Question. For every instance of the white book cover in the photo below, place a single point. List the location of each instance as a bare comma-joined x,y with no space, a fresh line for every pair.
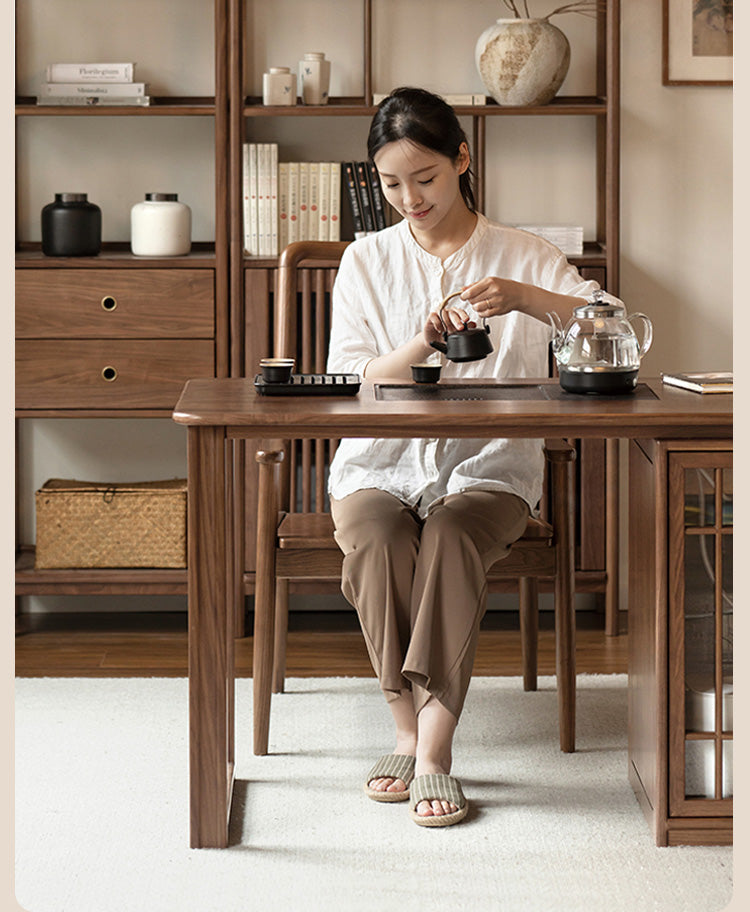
104,101
274,214
334,215
324,200
118,89
90,72
314,199
251,197
294,202
264,199
304,201
283,205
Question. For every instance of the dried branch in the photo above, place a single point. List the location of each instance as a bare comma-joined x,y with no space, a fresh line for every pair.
582,7
512,7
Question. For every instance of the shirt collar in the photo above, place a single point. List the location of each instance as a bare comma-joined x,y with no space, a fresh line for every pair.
457,256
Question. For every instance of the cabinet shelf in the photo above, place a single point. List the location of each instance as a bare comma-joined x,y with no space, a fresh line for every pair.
163,105
117,581
358,107
117,255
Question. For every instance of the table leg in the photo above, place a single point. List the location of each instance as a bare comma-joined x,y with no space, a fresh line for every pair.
565,624
612,593
210,641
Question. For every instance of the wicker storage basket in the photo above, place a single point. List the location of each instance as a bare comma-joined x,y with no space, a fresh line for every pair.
88,524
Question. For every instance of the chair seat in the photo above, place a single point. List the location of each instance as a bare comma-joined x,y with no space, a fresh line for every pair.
307,549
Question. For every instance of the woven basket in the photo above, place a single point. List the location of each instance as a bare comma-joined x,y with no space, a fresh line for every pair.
88,524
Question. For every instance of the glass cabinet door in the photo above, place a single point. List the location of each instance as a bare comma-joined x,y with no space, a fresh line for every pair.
700,633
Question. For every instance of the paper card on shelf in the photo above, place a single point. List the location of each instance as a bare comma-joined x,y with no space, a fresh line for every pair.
334,220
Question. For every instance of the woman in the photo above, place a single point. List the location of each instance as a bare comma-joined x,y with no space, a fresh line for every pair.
420,521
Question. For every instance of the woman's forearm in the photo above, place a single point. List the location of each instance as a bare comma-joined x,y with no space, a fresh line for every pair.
396,363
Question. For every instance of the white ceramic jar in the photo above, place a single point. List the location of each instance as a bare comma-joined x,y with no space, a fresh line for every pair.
160,226
315,74
279,87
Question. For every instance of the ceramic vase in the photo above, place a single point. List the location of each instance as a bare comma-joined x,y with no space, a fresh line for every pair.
315,74
522,61
279,87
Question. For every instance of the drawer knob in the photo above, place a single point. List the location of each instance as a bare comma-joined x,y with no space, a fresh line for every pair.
109,303
109,373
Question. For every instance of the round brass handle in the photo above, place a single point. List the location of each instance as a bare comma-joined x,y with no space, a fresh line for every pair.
109,373
109,303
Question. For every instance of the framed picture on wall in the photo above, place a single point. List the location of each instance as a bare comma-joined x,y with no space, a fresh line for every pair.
697,42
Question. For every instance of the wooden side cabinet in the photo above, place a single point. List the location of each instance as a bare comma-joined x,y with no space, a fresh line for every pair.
680,622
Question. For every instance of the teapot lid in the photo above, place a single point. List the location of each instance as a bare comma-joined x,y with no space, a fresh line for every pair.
598,308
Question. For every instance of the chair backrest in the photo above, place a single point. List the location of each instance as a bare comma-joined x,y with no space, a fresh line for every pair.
302,322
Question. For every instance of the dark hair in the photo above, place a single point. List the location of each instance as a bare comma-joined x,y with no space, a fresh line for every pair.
425,119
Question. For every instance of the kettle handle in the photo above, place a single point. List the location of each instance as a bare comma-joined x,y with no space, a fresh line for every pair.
648,332
453,294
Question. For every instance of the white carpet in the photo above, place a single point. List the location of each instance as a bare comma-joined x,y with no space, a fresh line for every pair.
102,814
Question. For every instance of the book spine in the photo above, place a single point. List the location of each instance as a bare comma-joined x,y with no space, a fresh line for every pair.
264,199
103,100
334,214
283,205
293,202
304,201
90,72
314,199
117,89
350,184
378,205
324,200
274,202
364,198
252,227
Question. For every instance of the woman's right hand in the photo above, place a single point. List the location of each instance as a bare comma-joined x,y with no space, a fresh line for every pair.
456,319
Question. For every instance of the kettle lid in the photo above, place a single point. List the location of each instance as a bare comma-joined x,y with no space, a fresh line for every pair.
599,308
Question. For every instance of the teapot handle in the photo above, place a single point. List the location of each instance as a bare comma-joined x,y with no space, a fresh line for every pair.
453,294
648,332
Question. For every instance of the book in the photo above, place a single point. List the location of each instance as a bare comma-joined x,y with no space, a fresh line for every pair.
350,185
701,381
567,238
365,203
304,203
108,89
283,205
314,216
101,100
376,193
254,244
334,209
324,200
294,202
90,72
273,166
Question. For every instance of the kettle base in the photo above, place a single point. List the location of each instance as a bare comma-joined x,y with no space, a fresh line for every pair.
602,383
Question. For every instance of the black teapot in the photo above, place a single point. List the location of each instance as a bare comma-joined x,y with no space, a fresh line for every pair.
463,344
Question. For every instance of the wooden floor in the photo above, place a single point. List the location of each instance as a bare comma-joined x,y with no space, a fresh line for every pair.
319,644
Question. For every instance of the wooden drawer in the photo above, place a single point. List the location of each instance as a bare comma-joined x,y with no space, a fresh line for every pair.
114,303
108,374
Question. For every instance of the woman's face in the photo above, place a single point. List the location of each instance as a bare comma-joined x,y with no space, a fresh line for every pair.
420,184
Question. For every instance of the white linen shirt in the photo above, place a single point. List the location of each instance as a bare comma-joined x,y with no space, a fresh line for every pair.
386,287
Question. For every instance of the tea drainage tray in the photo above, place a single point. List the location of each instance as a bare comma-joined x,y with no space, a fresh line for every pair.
442,392
556,393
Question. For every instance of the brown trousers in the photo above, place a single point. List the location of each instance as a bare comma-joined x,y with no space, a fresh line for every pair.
419,585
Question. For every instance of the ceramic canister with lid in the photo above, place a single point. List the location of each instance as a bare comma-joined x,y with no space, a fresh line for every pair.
160,226
71,226
279,86
315,74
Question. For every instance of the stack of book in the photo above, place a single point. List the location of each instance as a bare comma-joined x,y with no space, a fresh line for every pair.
92,84
702,381
365,197
285,202
568,238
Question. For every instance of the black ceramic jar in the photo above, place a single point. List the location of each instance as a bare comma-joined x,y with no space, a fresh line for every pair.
71,226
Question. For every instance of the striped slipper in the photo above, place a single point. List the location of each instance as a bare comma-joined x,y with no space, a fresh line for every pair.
440,787
391,766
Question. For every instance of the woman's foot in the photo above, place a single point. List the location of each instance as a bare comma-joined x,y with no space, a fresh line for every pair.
436,727
402,709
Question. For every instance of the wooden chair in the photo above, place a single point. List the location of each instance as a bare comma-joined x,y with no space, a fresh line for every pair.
301,545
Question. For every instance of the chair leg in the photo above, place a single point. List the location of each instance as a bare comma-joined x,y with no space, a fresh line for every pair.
265,573
281,625
528,596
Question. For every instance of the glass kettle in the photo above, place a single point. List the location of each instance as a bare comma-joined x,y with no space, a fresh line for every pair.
598,351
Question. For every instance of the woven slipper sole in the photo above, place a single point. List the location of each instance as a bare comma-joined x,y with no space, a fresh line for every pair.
391,766
441,787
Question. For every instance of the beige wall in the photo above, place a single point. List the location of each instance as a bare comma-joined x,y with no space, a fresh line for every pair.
676,168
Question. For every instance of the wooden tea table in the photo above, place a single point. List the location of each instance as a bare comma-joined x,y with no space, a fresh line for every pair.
218,412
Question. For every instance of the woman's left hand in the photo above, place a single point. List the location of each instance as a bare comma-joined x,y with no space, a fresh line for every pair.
493,296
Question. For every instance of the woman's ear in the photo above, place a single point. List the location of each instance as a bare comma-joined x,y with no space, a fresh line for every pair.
463,160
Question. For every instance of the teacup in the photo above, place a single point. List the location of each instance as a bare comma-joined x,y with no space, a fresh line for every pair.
426,372
277,370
